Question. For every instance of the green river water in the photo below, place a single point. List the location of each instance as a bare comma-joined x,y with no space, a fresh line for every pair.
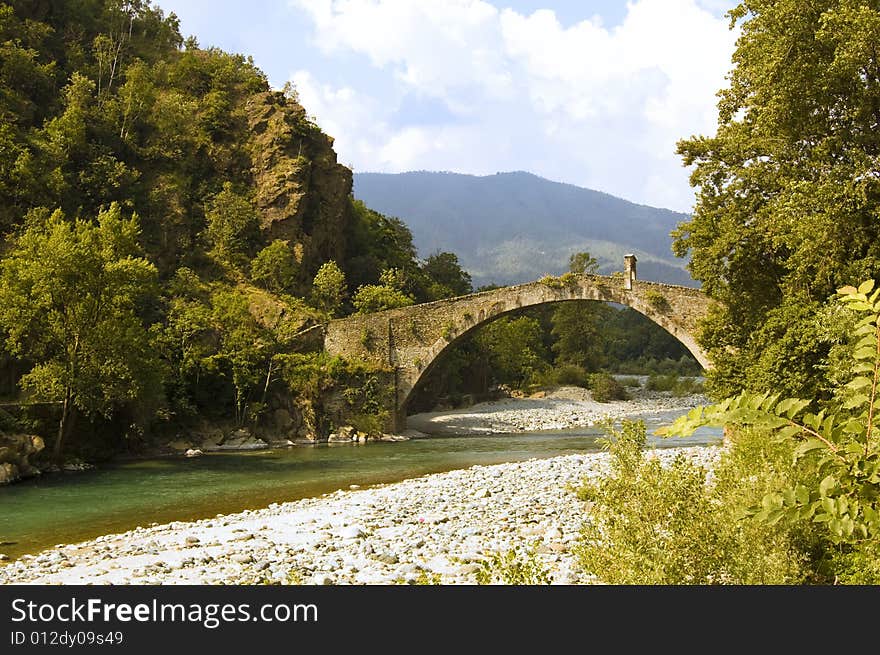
66,508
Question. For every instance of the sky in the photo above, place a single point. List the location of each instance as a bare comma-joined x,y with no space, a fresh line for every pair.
588,92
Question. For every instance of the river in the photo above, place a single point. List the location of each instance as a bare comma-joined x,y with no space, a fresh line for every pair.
67,508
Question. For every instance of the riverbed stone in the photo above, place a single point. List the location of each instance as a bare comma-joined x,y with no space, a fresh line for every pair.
352,532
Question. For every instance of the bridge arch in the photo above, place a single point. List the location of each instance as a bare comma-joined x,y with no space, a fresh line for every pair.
409,340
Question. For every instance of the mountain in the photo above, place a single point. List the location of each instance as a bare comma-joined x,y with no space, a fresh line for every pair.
514,227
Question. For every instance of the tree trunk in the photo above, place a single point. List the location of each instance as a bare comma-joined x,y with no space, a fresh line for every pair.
62,427
268,382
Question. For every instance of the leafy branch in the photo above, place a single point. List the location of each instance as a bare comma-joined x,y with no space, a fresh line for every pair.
839,440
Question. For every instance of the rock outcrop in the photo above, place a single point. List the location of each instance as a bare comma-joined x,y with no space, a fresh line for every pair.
16,453
300,191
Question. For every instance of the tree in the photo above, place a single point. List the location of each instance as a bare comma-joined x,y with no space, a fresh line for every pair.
329,288
69,299
515,347
787,190
275,266
583,262
576,325
578,337
233,226
447,276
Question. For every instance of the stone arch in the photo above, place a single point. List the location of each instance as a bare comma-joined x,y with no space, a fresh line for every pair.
409,340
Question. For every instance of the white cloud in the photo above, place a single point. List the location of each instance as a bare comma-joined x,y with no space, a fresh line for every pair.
585,104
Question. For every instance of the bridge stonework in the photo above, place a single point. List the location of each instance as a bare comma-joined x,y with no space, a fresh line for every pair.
410,339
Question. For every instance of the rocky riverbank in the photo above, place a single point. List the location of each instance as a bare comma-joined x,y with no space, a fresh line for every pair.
564,407
437,527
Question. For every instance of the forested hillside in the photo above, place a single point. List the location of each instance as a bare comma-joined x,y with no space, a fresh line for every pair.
172,228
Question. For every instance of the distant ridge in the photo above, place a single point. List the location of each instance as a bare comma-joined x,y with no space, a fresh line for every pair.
514,227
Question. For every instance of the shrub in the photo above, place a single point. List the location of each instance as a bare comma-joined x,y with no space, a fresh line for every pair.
657,300
605,388
564,281
655,524
661,382
687,387
630,382
275,267
371,298
572,374
511,568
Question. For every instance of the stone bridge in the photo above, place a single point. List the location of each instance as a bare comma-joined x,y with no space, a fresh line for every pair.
409,340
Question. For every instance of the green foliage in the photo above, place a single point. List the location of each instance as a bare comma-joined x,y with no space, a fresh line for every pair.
572,374
366,388
515,349
393,278
583,262
70,301
428,578
786,195
657,300
606,388
564,281
448,332
679,386
328,288
661,382
512,568
839,442
379,243
367,339
652,524
233,226
376,298
578,330
447,277
101,103
275,267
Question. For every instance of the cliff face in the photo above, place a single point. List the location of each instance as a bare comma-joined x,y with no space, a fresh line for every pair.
300,190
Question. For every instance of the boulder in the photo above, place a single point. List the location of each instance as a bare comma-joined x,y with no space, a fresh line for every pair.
8,473
392,437
345,434
279,443
352,532
74,465
16,451
241,439
193,452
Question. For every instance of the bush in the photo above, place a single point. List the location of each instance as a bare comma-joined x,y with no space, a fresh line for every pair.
687,387
630,382
572,374
511,568
661,382
605,388
655,524
657,300
679,387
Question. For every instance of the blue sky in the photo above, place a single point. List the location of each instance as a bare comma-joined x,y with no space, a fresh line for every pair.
594,93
